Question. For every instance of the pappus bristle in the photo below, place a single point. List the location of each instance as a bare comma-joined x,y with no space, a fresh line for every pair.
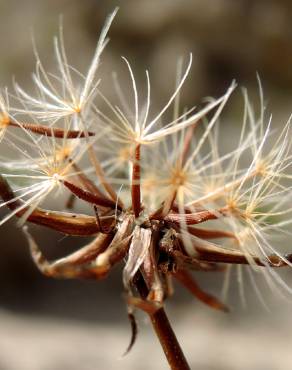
60,96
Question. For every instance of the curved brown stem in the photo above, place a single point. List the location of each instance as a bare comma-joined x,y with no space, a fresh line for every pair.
100,173
91,197
189,283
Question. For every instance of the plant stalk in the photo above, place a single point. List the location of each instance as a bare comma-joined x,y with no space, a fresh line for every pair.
167,338
136,190
168,341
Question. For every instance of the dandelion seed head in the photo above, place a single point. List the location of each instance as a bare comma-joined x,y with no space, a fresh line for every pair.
60,96
153,178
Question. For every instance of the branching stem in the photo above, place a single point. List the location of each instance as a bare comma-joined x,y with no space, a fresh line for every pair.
101,176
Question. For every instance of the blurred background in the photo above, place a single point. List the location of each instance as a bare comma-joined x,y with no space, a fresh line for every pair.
55,325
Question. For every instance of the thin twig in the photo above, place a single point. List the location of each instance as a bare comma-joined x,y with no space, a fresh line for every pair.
50,131
90,197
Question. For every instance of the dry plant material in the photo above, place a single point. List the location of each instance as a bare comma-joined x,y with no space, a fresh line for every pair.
162,198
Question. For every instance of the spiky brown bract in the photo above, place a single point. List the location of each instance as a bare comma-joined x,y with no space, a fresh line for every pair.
163,199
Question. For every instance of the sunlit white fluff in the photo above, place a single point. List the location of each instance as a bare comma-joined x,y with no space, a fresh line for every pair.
59,96
46,163
135,126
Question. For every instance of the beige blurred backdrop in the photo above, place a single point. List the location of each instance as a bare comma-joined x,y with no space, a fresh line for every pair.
58,325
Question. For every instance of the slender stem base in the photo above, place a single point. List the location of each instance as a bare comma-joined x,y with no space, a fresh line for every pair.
168,341
164,332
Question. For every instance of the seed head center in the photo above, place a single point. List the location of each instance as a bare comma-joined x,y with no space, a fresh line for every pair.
4,120
179,178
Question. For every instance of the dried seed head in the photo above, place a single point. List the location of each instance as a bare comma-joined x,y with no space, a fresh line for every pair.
170,176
